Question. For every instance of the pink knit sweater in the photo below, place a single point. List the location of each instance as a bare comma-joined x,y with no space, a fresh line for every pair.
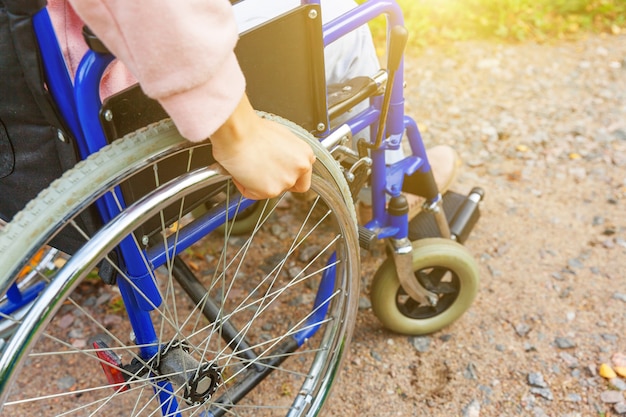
181,52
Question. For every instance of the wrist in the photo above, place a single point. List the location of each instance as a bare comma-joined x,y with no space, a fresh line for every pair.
239,126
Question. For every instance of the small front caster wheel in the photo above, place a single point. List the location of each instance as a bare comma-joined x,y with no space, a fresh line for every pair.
443,267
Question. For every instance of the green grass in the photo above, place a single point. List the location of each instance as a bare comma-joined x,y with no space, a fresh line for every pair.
437,21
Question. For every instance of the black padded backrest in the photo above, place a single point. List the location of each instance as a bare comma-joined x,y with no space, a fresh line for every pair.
283,61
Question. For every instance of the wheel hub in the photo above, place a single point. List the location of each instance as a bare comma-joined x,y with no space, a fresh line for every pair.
199,379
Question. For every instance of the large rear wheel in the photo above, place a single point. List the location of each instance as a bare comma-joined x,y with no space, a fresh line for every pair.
197,322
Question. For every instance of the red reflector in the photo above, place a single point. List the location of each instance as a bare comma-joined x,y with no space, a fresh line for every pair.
111,365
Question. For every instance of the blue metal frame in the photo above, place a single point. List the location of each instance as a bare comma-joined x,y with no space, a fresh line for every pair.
79,103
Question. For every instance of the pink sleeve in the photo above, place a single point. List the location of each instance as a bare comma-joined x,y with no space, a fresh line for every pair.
180,51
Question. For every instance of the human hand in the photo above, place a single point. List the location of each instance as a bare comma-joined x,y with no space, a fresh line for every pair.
263,157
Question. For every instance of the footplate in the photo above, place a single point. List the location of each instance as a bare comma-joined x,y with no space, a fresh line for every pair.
462,213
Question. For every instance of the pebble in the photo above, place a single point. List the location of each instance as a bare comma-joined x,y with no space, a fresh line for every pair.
618,384
65,383
569,360
66,321
574,398
472,409
522,329
619,296
535,379
619,360
445,337
294,271
575,263
364,303
611,397
420,343
620,407
564,343
470,371
543,392
111,320
308,253
277,230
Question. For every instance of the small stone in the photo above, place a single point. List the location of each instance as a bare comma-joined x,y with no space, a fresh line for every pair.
65,383
619,360
569,360
472,409
420,343
294,271
573,398
620,407
543,392
619,296
376,355
75,334
66,321
575,263
308,253
611,397
470,372
364,303
535,379
111,320
592,370
103,299
606,371
564,343
618,384
79,343
609,337
486,389
522,329
557,276
277,230
445,337
529,347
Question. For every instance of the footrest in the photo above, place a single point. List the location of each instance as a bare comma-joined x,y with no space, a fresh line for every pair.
462,213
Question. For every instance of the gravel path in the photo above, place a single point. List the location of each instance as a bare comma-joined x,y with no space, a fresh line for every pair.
542,128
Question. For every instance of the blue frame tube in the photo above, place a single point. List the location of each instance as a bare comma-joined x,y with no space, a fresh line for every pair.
57,76
321,303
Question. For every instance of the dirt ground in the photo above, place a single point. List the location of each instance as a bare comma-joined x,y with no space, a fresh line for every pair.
542,128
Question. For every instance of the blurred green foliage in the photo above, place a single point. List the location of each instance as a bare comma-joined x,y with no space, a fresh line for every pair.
435,21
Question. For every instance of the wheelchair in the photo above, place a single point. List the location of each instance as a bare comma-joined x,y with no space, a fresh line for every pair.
230,306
